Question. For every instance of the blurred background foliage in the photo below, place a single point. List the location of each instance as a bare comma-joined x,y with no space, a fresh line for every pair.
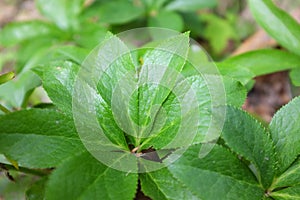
52,29
33,33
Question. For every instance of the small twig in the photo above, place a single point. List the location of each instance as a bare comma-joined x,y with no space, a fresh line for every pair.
5,110
134,150
37,172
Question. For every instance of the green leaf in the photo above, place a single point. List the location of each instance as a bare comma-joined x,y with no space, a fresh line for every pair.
38,138
191,5
290,177
290,193
218,32
280,25
14,92
165,58
58,80
255,63
154,4
17,32
89,36
219,175
63,13
236,93
295,76
37,190
166,19
116,12
245,136
84,177
73,53
6,77
36,49
285,130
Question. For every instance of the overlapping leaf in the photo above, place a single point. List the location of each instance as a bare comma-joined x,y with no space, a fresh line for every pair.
84,177
248,65
38,138
219,175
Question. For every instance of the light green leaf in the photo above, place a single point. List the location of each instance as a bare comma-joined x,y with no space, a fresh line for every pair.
255,63
245,136
295,76
35,49
154,4
285,131
280,25
6,77
166,19
290,193
168,59
38,138
116,12
73,53
17,32
218,31
191,5
219,175
14,92
89,36
84,177
63,13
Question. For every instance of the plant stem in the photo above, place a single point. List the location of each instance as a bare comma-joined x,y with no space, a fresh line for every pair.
5,110
37,172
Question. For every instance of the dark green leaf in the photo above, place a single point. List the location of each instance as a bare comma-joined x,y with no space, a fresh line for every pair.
245,136
38,138
280,25
219,175
285,131
17,32
166,19
84,177
191,5
63,13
